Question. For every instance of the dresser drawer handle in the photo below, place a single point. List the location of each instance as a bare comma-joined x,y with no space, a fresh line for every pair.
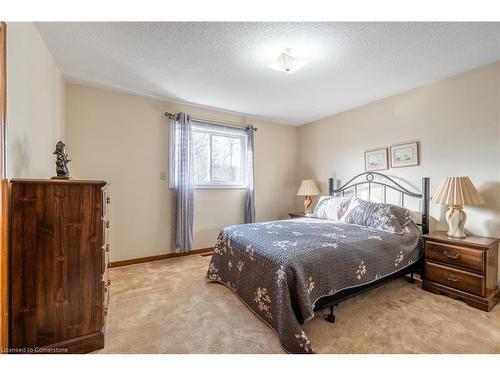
108,200
107,224
451,277
106,291
451,255
107,248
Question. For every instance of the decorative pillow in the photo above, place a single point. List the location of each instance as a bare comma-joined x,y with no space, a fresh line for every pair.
331,208
382,216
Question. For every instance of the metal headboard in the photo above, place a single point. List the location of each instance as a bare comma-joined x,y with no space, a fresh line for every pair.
356,181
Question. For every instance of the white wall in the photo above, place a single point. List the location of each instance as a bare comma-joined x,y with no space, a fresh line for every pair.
457,122
123,139
35,103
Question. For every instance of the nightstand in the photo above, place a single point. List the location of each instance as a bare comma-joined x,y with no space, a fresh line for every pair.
462,268
295,215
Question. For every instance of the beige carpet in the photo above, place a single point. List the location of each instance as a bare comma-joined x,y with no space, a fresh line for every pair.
168,307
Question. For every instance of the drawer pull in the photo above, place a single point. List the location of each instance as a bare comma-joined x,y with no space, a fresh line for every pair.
451,277
106,298
107,224
108,200
107,248
451,255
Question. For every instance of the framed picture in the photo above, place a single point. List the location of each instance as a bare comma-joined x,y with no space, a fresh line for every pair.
405,155
376,160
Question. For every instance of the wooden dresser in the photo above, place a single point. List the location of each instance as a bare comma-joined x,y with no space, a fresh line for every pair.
462,268
59,265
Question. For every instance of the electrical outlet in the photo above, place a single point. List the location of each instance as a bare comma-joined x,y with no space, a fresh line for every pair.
163,176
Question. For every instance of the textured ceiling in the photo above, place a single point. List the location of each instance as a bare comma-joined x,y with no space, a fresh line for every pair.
225,65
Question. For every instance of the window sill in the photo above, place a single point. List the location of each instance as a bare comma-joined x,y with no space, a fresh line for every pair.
220,187
216,187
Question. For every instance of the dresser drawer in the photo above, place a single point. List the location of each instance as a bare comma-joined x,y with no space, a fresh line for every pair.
105,276
456,256
105,257
105,297
458,279
106,250
106,224
106,201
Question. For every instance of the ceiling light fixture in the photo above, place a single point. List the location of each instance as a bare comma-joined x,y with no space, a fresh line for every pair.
288,63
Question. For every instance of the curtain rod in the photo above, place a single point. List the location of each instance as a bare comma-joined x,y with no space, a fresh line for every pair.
230,125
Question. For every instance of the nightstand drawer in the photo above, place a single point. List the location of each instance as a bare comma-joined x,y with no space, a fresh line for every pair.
455,278
456,256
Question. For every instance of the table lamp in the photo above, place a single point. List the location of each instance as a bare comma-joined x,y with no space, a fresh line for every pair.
456,192
308,188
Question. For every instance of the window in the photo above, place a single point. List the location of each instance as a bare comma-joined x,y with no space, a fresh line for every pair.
219,155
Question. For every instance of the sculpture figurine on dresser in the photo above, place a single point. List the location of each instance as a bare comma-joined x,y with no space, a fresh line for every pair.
61,161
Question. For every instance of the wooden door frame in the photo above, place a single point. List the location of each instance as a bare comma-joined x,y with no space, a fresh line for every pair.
3,98
4,186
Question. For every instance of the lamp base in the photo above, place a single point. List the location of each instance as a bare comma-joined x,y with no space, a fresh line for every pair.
307,204
455,217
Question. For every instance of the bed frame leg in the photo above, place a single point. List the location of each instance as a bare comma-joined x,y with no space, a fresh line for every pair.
411,280
331,317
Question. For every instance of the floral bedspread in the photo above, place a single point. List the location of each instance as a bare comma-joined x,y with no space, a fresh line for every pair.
281,268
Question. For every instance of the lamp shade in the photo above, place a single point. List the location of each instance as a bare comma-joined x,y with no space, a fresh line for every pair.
308,187
458,191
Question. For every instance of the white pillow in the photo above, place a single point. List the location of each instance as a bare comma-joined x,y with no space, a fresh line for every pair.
331,208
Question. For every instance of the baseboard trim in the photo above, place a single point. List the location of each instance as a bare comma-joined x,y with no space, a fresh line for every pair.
128,262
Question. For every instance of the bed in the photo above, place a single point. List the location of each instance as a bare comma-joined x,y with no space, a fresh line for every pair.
286,270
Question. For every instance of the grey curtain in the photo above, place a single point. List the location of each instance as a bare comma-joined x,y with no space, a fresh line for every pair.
182,165
250,177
